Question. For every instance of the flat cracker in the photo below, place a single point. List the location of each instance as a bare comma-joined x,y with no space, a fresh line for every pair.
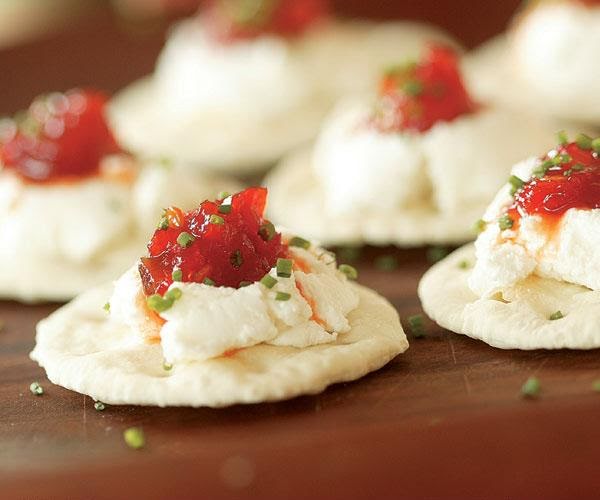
82,350
518,321
296,197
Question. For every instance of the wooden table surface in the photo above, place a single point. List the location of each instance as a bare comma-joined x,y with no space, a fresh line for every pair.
444,419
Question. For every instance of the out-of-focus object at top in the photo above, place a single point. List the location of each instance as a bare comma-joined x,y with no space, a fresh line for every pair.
143,9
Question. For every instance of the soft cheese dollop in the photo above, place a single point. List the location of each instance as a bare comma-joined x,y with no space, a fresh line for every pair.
220,278
555,47
390,161
544,222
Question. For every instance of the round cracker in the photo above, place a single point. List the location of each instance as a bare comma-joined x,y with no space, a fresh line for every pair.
524,322
82,350
296,197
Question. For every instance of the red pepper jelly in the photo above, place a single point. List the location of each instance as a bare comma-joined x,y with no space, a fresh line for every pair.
222,243
230,20
416,95
60,137
568,177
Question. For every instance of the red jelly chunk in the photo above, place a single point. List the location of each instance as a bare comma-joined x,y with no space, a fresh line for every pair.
222,243
415,96
233,20
60,136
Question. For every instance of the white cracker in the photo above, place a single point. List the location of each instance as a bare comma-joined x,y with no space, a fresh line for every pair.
296,197
520,320
82,350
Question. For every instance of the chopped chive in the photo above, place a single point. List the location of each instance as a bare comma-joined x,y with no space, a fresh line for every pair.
479,226
159,304
99,406
177,274
267,231
134,438
556,315
107,307
464,264
222,195
515,184
584,141
578,167
563,138
216,219
167,366
268,281
596,145
224,209
282,296
296,241
565,158
416,325
413,87
435,254
236,259
208,282
386,262
350,271
173,294
531,388
568,173
284,268
244,283
349,254
36,389
163,223
505,222
542,169
596,385
185,239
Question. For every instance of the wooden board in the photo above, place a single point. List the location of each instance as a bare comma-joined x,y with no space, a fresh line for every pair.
447,417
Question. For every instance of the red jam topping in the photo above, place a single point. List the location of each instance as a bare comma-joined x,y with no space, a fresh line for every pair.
231,20
415,96
222,243
568,177
60,136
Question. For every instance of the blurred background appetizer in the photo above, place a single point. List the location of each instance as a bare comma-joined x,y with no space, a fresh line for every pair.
74,206
416,164
223,309
243,82
532,278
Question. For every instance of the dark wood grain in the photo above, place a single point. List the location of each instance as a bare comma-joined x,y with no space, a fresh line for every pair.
446,418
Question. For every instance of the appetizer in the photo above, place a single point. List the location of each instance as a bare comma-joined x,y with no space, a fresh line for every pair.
532,278
223,309
242,83
74,207
413,166
545,61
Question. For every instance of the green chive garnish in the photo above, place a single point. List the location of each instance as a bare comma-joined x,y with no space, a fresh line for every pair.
531,388
36,389
515,184
163,223
177,275
216,219
556,315
284,268
386,262
578,167
160,304
563,138
349,254
479,226
267,231
222,195
282,296
99,406
435,254
224,209
134,438
236,259
268,281
416,325
350,271
173,294
296,241
185,239
505,222
596,145
584,141
107,307
542,169
208,281
167,366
